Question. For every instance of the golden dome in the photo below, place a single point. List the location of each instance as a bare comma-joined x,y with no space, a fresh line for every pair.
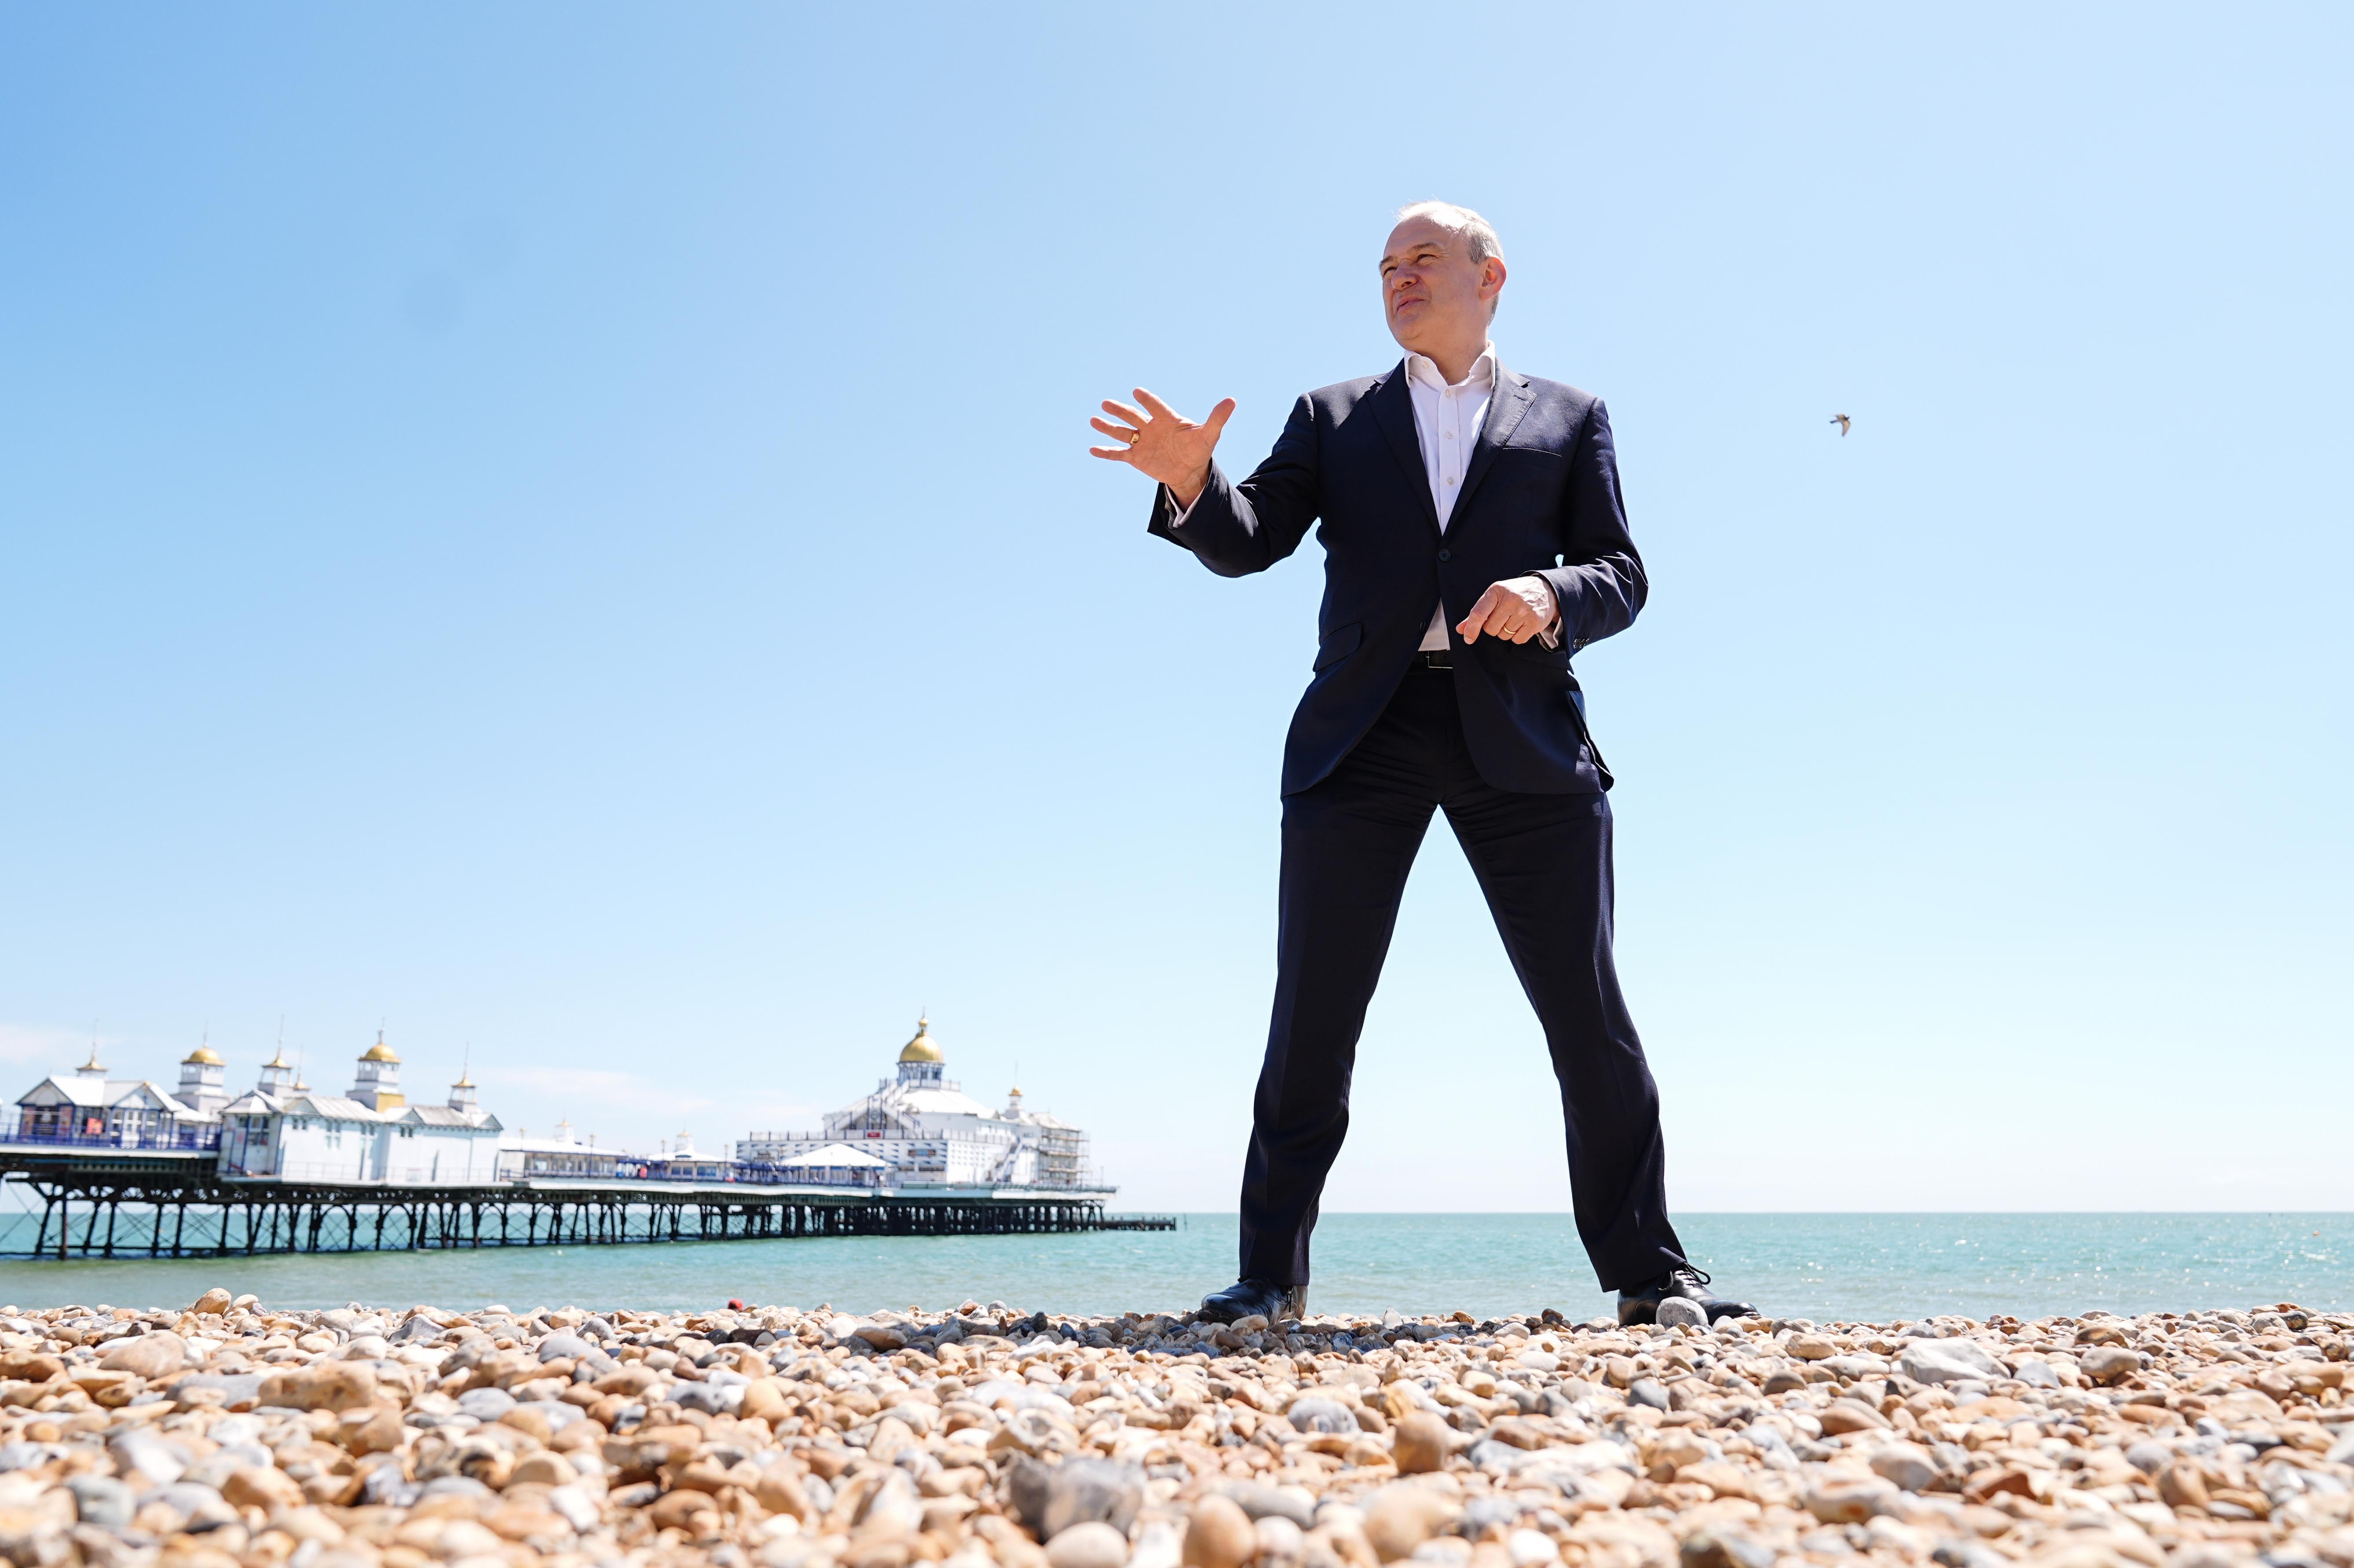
923,1047
379,1052
203,1056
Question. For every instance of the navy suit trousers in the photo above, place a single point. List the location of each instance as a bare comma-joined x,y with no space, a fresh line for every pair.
1543,861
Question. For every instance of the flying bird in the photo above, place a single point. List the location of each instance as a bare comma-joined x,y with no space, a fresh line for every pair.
1842,421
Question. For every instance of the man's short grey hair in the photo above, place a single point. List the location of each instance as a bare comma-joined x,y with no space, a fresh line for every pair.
1478,235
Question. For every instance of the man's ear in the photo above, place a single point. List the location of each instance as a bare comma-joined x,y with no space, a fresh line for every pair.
1491,277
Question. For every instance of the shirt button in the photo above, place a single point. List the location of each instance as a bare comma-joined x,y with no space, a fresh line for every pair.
1449,436
1445,555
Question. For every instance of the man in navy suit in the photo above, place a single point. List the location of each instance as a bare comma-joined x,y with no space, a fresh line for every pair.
1474,539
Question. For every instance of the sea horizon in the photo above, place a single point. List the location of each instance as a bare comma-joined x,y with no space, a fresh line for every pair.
1824,1266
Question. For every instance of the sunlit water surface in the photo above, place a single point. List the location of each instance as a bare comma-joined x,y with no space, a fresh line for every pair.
1824,1266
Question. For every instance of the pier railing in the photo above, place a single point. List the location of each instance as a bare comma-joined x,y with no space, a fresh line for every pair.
759,1174
190,1141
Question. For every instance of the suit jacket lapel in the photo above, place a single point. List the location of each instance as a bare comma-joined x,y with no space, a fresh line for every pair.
1504,410
1393,411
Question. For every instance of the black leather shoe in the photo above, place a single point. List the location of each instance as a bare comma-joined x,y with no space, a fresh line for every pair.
1260,1298
1681,1285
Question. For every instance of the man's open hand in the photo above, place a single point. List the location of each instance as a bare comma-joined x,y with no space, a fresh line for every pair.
1515,611
1160,443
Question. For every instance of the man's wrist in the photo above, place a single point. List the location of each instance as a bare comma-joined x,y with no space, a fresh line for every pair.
1547,606
1185,495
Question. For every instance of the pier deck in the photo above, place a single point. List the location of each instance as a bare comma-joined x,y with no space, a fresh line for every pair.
173,1203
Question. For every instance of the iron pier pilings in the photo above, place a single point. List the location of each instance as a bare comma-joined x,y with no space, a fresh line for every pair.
190,1213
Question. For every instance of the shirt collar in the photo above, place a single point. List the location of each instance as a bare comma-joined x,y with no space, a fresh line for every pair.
1422,368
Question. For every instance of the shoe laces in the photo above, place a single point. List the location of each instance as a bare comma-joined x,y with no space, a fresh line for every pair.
1697,1275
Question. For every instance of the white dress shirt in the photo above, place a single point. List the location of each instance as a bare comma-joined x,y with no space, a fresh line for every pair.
1447,421
1447,416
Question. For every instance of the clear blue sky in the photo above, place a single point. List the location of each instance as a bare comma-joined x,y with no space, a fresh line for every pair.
567,529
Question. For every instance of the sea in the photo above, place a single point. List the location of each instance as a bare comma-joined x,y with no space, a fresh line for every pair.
1826,1267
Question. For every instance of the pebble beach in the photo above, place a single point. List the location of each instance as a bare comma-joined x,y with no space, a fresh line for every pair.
228,1434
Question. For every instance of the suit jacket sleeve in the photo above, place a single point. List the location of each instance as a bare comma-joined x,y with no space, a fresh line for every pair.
1600,586
1238,529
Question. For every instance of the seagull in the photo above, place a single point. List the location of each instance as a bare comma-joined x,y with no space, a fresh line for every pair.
1842,421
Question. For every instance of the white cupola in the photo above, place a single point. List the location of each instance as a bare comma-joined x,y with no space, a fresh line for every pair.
277,1075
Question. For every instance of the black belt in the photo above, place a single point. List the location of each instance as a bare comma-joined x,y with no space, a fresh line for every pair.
1435,657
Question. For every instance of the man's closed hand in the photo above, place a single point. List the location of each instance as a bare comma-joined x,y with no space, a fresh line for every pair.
1515,609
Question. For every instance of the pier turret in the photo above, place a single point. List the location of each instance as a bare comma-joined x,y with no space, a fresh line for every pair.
277,1075
91,1069
203,1079
376,1083
462,1093
921,1059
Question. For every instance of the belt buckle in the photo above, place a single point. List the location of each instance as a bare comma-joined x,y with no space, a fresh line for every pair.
1438,658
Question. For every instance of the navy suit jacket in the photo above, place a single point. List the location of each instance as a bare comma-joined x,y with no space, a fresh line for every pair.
1541,496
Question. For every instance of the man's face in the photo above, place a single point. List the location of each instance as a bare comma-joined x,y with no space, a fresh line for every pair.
1432,292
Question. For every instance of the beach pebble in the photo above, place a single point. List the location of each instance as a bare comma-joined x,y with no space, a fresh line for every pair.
1401,1518
1422,1444
1949,1361
1844,1416
1723,1548
1837,1500
1280,1540
102,1500
1905,1465
1310,1414
146,1355
1530,1549
2107,1363
1086,1492
1218,1534
1262,1503
1681,1312
212,1303
1088,1545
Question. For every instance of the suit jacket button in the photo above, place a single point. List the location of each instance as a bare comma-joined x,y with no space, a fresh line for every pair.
1445,555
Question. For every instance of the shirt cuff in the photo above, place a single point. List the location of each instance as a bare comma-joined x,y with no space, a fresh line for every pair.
1183,512
1550,635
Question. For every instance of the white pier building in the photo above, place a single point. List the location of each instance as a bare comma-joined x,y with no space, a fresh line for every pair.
133,1112
917,1132
285,1129
929,1133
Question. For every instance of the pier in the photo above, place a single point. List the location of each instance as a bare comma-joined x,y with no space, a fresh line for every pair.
108,1201
125,1168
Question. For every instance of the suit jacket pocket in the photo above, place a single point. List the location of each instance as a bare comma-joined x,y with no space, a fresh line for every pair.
1534,650
1339,643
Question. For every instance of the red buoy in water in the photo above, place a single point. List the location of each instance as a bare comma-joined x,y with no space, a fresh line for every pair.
734,1304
